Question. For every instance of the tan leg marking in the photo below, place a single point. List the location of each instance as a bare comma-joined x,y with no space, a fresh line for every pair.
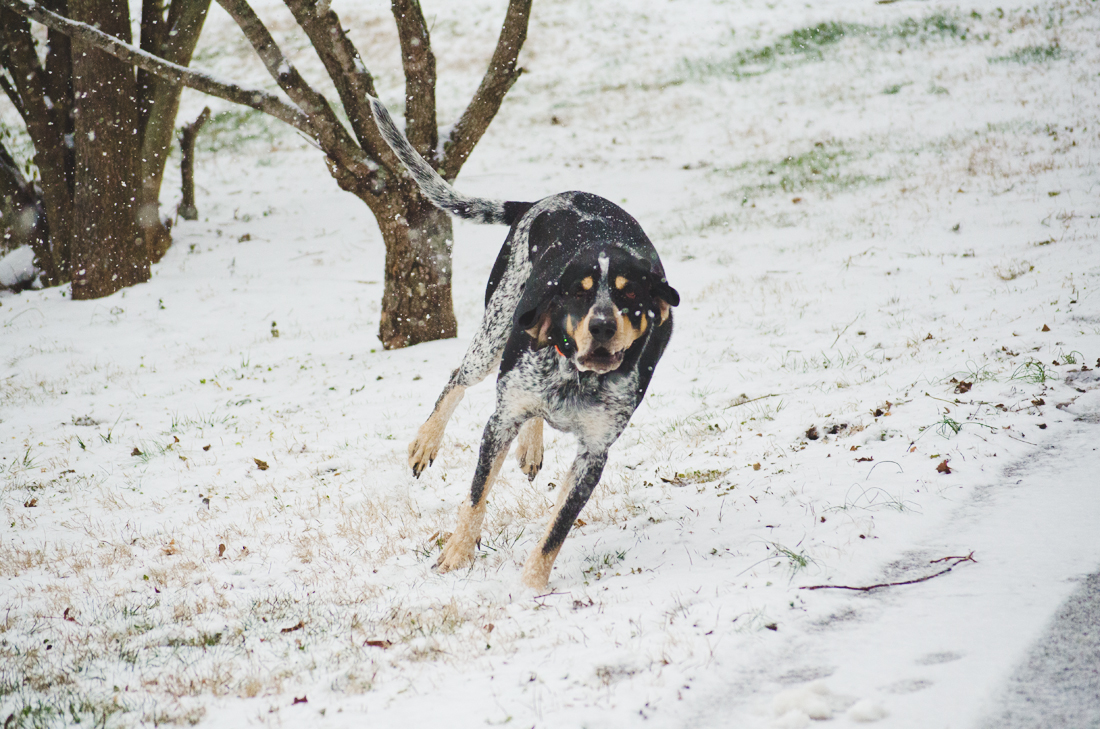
458,552
536,571
425,447
529,448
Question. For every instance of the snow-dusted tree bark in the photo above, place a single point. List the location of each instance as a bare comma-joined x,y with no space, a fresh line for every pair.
101,134
416,303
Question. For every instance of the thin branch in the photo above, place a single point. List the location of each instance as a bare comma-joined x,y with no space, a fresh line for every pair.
418,62
955,563
207,84
345,67
500,76
329,132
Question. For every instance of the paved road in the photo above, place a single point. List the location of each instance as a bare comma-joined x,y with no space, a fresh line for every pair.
1059,684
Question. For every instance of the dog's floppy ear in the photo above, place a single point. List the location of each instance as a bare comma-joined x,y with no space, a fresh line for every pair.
665,295
532,312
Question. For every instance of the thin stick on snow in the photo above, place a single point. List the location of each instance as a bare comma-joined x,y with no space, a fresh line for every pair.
957,561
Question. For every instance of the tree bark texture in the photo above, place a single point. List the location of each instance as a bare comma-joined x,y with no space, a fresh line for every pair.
416,299
108,250
416,303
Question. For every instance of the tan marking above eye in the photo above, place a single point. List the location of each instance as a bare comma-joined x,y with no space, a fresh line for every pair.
620,282
587,283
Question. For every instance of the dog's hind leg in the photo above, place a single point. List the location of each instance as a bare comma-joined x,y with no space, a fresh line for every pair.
459,550
529,448
583,476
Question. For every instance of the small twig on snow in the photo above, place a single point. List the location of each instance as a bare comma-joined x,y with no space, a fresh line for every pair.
957,561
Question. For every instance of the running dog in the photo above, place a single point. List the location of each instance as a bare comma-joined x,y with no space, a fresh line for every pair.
577,314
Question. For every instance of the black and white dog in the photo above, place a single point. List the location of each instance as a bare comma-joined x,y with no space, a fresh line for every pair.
577,313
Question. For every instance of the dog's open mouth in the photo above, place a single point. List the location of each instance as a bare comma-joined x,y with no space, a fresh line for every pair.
600,360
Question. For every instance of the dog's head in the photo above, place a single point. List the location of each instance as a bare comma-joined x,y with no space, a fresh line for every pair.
604,301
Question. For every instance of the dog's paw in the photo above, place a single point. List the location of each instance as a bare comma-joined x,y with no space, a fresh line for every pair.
425,447
536,571
529,448
456,555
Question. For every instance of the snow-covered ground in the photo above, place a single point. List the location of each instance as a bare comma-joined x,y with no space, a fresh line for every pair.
885,233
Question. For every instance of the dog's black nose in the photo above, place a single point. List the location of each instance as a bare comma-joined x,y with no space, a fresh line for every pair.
602,328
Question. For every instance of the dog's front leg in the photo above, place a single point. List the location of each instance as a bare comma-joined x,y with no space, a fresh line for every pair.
582,478
425,447
497,438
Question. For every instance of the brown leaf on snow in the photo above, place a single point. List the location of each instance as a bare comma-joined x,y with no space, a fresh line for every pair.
170,548
1045,328
221,550
383,644
31,503
291,629
756,466
963,386
136,452
811,433
302,700
943,467
866,458
262,465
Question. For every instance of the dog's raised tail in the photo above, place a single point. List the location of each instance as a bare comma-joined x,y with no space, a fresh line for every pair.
434,187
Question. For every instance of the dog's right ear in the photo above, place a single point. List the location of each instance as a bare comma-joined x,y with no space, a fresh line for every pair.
540,332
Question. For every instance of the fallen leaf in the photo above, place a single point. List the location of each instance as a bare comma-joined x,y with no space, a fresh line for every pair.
1045,328
31,504
170,548
206,447
302,700
963,387
867,458
299,626
262,465
772,626
383,644
811,433
943,467
221,549
136,452
756,466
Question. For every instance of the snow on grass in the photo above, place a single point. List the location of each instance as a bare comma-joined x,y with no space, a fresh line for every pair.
885,242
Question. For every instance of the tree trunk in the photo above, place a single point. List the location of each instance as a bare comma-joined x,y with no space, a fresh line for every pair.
173,39
108,249
416,301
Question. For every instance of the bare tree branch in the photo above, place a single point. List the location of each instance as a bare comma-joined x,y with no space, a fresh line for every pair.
418,61
500,76
329,132
346,69
174,73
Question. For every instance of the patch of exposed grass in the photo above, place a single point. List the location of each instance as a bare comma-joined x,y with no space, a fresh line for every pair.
1034,372
1031,54
824,168
231,129
810,44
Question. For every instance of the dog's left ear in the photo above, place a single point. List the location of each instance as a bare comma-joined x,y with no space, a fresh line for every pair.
666,295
